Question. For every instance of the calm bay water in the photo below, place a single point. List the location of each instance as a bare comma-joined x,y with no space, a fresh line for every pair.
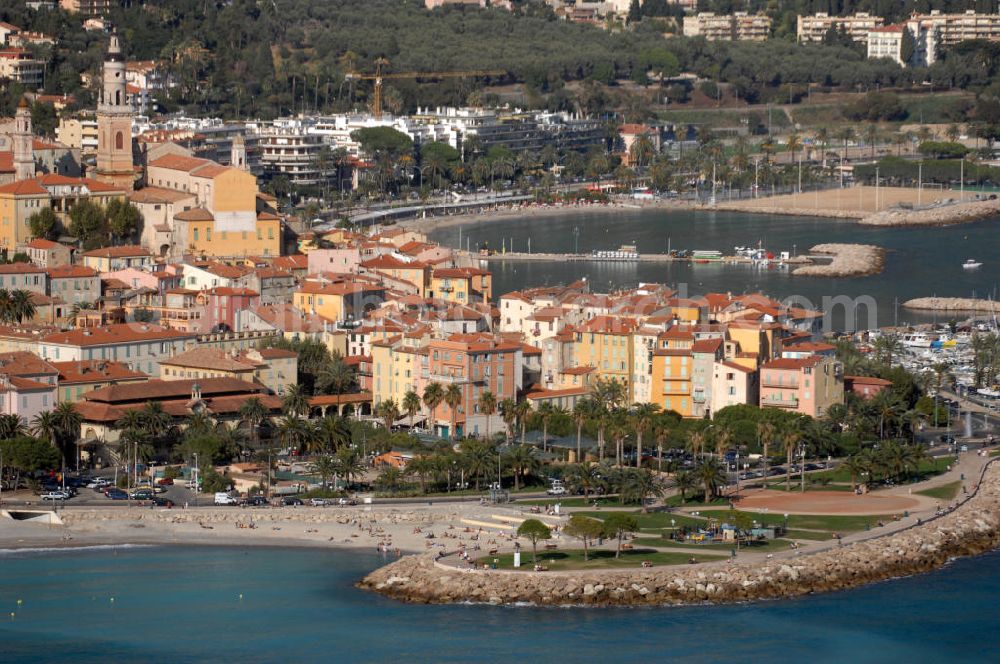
183,605
921,261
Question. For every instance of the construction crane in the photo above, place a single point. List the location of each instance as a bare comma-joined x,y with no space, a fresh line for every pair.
380,76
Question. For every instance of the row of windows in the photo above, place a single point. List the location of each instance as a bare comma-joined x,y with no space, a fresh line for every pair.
225,234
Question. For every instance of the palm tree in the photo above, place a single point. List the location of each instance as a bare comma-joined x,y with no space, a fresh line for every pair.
349,463
696,442
21,306
488,406
411,405
545,412
199,422
711,476
765,433
583,476
522,461
326,468
433,396
68,421
291,431
581,413
641,484
295,402
642,421
684,481
45,426
642,150
508,411
334,432
790,440
521,410
453,398
871,136
823,138
388,412
794,144
254,412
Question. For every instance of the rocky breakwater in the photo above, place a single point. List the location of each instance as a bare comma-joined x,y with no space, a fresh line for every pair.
849,260
754,207
972,528
950,304
943,215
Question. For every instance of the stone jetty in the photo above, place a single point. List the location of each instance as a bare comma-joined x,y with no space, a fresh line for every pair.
942,215
849,260
972,528
950,304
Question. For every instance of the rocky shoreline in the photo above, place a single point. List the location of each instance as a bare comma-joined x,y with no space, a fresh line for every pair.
945,215
950,304
972,528
849,260
852,215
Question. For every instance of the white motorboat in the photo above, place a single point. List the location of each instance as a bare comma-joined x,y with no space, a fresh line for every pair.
971,264
917,340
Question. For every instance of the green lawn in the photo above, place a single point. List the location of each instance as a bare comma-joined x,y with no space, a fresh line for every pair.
692,501
654,520
573,502
829,522
943,492
764,545
808,535
565,559
927,468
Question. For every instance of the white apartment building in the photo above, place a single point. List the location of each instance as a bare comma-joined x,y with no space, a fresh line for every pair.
813,29
739,26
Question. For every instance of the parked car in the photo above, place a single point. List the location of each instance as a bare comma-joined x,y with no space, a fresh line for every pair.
98,484
291,502
223,498
162,502
319,502
254,501
56,495
556,490
116,494
165,481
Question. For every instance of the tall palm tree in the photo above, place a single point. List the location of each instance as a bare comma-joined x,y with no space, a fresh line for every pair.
411,405
508,411
765,434
254,412
453,398
581,413
68,422
642,421
521,410
21,306
433,396
790,441
349,463
545,412
45,426
887,347
295,402
334,432
488,406
696,443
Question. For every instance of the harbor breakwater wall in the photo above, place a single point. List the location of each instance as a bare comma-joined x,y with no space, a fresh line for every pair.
849,260
972,528
943,215
964,304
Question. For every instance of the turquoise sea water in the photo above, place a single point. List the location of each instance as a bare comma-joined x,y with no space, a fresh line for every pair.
921,261
177,604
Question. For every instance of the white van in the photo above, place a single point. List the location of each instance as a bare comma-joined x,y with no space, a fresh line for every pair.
223,498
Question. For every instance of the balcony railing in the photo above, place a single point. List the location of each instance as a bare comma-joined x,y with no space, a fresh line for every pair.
773,400
770,382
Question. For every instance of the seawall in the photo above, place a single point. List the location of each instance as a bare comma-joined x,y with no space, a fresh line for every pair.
849,260
950,304
958,213
972,528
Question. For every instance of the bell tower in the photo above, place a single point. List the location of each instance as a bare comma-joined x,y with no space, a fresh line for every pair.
24,154
238,153
114,122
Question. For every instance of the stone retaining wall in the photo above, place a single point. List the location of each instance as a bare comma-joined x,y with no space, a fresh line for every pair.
84,517
750,208
972,528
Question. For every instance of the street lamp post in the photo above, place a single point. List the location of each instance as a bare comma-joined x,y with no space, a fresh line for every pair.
195,473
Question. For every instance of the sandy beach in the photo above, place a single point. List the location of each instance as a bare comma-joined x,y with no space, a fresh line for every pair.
410,528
